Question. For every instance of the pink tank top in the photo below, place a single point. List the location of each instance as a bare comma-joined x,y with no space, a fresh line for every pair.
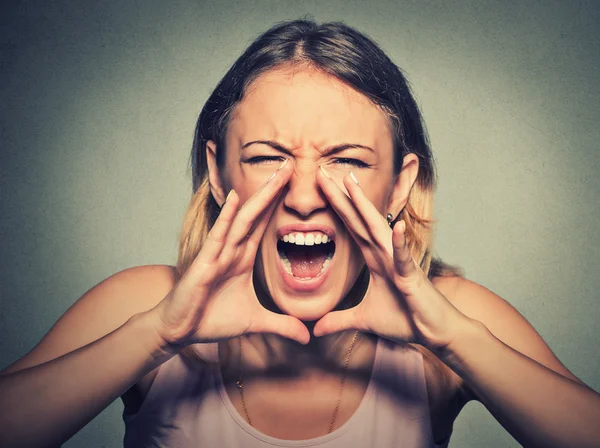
188,406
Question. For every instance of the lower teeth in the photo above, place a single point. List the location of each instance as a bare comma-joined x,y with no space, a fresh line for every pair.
287,265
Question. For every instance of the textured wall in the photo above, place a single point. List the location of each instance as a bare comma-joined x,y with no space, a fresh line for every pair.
98,104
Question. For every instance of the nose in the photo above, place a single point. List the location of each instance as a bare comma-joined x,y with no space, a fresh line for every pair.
303,195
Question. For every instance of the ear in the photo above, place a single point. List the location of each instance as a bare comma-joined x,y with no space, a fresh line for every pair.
214,176
403,184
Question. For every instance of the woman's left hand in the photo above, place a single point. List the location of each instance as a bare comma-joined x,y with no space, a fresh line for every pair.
401,303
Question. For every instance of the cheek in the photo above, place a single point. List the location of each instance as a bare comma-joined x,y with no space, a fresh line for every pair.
245,180
375,185
246,186
377,195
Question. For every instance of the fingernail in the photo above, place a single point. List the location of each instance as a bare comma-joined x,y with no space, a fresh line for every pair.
325,172
282,165
228,195
272,176
353,178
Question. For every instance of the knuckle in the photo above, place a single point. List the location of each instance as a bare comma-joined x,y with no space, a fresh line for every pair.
363,238
245,220
251,245
226,259
216,237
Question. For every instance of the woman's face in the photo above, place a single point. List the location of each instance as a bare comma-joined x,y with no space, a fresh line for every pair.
304,113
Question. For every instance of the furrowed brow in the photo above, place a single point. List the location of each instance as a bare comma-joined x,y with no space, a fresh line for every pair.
326,151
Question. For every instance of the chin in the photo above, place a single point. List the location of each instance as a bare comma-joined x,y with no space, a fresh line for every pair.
306,309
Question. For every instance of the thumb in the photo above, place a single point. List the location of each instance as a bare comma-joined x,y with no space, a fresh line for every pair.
336,321
282,325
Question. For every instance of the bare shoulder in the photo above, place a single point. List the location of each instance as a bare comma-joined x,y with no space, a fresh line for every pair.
503,320
101,310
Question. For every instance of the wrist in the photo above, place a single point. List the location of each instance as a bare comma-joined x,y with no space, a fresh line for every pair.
150,325
455,353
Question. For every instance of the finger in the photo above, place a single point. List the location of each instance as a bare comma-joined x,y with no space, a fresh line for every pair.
336,321
375,223
255,238
256,234
282,325
218,233
345,208
251,210
403,261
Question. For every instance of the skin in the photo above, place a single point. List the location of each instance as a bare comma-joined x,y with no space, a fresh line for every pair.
307,111
151,315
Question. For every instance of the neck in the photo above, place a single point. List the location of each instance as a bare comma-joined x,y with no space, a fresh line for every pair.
271,352
267,353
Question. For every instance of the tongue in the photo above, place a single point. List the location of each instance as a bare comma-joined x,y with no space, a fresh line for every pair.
306,262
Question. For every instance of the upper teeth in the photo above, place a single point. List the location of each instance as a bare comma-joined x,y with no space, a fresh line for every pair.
308,239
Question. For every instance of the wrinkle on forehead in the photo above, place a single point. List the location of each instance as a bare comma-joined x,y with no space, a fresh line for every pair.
293,106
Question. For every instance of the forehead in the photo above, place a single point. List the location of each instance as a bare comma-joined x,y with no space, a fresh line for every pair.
307,108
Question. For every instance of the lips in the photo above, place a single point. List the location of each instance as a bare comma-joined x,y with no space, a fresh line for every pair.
304,284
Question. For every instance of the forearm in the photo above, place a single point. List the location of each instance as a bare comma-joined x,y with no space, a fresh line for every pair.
46,404
537,406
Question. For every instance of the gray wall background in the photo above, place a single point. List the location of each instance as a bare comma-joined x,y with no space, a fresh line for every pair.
98,105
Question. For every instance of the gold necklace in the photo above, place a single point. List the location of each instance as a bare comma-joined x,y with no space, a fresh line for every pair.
240,384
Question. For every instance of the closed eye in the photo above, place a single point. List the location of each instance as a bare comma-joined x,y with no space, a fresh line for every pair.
262,159
354,162
338,160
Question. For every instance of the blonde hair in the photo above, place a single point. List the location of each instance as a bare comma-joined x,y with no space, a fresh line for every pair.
354,59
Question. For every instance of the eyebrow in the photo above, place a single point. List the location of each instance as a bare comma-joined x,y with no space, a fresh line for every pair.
329,150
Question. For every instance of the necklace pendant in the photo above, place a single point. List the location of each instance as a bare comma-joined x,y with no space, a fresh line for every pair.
239,384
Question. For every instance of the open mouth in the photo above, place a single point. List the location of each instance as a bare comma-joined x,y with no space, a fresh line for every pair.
305,261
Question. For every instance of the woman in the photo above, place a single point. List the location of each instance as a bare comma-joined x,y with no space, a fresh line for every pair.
306,307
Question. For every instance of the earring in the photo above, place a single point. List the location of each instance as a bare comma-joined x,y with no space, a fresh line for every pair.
389,220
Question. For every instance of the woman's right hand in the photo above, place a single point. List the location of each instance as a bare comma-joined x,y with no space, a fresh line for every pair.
215,298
